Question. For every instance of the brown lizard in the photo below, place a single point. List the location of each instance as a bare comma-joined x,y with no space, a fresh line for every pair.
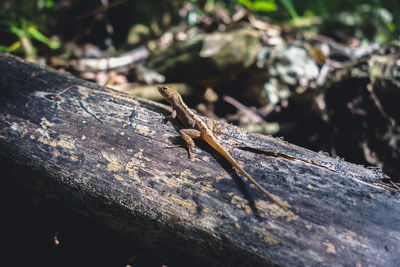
199,128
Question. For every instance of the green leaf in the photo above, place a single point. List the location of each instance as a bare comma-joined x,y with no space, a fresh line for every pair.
246,3
14,46
33,31
14,29
36,34
10,48
391,26
3,48
264,6
290,8
49,3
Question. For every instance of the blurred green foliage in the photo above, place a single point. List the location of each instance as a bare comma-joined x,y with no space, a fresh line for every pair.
268,6
25,25
259,5
373,20
23,22
368,20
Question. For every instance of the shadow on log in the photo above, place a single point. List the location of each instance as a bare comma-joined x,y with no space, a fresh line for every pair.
104,153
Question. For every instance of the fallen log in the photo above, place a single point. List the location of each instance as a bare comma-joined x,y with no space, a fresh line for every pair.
104,153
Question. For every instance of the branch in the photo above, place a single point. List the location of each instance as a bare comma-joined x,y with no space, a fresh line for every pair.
104,153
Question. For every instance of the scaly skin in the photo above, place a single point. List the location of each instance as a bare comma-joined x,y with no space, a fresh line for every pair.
198,128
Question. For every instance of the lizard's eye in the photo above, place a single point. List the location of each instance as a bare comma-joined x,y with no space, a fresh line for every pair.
164,89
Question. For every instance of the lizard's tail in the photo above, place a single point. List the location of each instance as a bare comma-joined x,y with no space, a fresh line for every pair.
219,148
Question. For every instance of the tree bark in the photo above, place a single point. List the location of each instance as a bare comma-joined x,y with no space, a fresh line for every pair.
105,154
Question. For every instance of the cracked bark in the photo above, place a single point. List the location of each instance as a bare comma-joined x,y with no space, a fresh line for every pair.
104,153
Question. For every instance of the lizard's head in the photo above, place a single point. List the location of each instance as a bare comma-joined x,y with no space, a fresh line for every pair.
167,92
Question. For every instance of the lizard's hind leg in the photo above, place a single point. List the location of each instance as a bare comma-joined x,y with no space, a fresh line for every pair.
188,135
213,126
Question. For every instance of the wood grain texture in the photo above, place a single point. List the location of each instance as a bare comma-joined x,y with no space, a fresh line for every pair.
104,153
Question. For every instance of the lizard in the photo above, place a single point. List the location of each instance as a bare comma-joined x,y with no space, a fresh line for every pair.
203,129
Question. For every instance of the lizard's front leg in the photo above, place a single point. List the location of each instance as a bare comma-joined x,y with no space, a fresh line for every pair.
171,117
188,135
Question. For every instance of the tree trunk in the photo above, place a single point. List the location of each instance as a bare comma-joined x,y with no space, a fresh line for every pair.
105,154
